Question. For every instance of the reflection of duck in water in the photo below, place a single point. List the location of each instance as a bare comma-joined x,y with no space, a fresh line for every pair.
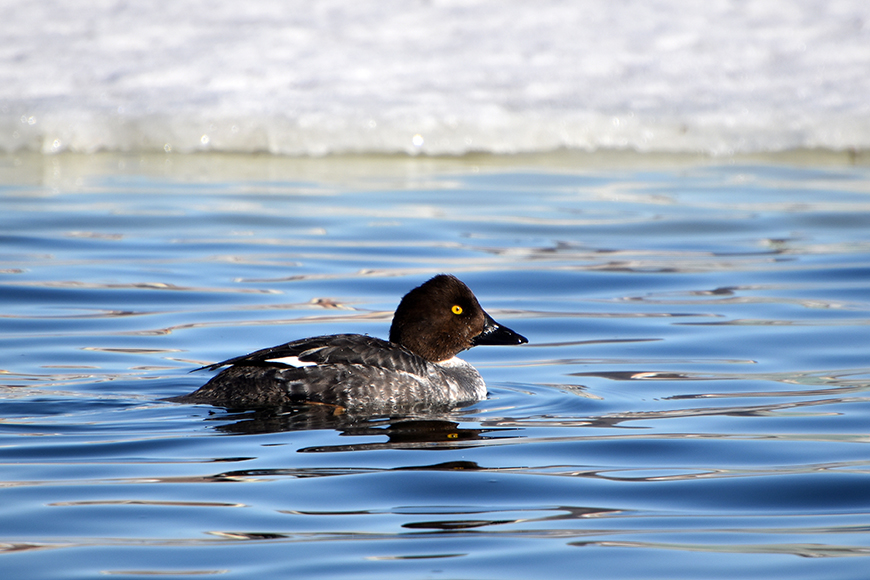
416,370
406,432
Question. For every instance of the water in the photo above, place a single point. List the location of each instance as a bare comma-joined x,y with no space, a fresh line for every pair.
440,76
693,402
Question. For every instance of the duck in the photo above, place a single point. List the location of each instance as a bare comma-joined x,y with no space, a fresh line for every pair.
416,369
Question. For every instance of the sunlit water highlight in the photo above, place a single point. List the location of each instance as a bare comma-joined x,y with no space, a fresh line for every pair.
693,401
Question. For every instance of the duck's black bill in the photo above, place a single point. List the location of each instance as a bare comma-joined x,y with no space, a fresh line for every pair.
494,333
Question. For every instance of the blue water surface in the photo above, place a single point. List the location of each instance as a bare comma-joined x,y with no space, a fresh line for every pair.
693,401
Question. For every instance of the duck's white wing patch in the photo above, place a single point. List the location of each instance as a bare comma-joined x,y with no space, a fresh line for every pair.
292,361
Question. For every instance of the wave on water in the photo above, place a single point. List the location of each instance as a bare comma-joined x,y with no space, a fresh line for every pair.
434,77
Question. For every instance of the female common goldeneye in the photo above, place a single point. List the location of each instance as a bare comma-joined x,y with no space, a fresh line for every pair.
417,368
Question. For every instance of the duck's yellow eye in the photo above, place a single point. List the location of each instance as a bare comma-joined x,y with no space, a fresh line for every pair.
457,309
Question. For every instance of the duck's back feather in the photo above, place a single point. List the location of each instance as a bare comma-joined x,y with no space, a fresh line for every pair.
346,370
332,349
